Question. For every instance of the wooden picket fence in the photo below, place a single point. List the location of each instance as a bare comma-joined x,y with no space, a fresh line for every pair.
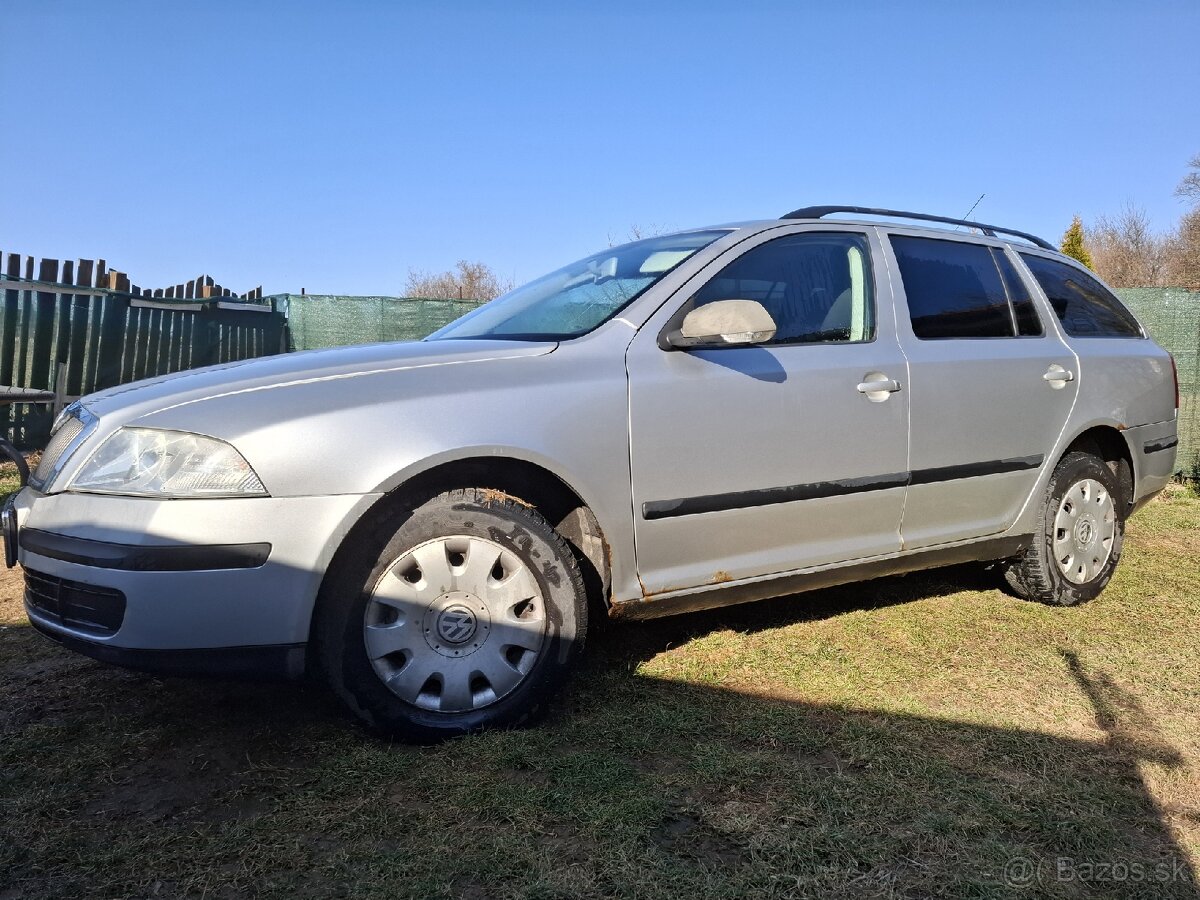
74,327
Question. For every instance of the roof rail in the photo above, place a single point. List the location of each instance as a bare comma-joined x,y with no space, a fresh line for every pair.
819,212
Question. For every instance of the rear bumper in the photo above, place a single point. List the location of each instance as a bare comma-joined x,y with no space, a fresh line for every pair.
1153,448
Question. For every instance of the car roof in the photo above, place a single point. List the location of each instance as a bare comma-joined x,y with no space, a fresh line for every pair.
1018,240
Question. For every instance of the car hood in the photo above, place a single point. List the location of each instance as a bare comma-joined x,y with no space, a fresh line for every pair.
141,398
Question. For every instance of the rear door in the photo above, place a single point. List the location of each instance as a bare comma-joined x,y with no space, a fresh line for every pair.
992,385
751,461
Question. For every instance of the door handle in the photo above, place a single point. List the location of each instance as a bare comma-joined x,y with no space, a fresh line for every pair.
1058,376
883,385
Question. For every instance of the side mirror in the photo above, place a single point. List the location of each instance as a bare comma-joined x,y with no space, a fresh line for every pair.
722,323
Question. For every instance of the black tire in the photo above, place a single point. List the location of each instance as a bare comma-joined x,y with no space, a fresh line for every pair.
1036,574
17,458
496,519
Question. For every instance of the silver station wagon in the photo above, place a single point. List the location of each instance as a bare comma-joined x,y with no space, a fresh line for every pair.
687,421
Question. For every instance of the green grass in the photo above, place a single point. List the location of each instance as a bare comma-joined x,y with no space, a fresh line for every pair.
10,482
901,738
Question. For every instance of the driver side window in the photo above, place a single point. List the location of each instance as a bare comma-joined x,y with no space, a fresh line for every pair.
816,286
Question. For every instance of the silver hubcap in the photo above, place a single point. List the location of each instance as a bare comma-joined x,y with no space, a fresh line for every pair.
1084,529
454,624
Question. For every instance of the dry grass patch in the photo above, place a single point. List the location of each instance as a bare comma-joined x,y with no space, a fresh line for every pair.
903,738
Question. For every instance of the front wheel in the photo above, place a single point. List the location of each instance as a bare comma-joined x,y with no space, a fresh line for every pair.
467,615
1077,542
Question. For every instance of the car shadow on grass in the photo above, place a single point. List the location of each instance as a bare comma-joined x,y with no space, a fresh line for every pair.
118,783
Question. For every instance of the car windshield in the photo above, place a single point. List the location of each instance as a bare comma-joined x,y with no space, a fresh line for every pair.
582,296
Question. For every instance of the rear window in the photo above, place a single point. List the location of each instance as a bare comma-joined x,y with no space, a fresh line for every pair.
1085,307
956,290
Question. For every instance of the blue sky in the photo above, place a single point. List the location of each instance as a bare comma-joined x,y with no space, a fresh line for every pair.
334,146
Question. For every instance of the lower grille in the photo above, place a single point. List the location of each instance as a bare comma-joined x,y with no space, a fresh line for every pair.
73,604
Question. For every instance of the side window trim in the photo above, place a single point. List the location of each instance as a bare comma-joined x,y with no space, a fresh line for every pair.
858,285
1012,310
1025,280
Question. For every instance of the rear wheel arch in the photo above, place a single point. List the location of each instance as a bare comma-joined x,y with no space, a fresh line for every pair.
1108,443
1077,539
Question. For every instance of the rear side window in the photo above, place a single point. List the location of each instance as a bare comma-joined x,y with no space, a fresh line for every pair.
1085,307
956,290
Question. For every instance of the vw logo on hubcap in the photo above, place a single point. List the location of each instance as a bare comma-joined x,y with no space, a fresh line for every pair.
456,624
1083,533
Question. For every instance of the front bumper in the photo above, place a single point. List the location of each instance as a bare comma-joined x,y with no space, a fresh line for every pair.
204,582
283,661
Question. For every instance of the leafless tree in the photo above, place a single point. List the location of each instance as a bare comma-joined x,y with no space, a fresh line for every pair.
1189,188
467,281
1183,258
1127,251
637,232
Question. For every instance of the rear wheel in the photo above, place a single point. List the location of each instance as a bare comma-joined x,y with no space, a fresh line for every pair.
1080,530
467,616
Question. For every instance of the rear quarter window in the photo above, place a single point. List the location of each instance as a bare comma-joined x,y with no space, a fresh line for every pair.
1084,306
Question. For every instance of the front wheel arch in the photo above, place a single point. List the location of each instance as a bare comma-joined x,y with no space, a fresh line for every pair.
439,663
519,479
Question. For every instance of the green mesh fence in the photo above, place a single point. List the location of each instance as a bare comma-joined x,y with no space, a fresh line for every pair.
328,320
325,320
1172,316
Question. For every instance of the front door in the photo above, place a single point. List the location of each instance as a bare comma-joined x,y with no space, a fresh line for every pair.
752,461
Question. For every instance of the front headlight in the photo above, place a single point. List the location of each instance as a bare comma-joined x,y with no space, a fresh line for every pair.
157,463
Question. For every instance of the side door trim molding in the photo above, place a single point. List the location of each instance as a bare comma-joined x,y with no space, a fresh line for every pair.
976,470
688,506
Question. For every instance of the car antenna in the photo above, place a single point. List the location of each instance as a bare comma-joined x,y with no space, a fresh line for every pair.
971,210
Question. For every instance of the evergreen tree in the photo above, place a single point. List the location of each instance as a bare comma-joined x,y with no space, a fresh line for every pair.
1073,244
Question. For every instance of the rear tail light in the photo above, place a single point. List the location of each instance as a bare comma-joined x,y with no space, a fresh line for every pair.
1175,375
